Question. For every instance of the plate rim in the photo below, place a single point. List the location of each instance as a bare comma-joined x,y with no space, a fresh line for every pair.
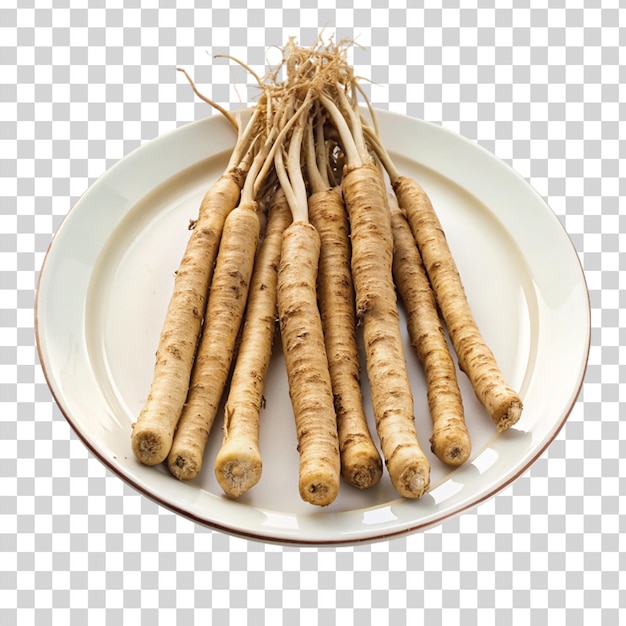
303,541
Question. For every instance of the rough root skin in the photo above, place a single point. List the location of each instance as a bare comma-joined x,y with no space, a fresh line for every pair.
238,464
225,311
307,366
361,464
450,441
372,256
181,328
475,358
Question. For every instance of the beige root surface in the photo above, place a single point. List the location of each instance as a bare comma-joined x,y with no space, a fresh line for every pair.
474,356
153,432
392,398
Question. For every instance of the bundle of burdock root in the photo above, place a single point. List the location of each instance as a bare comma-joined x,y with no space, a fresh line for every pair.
312,225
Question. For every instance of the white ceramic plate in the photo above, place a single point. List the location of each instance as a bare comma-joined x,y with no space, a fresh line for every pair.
107,279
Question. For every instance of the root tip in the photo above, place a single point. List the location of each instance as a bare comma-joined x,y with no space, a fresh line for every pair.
511,417
319,493
415,482
455,455
182,467
418,484
148,447
453,450
237,476
364,476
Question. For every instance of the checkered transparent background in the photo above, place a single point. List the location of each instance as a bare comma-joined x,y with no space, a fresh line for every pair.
540,87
